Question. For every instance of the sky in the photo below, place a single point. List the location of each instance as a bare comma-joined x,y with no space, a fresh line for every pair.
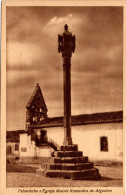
32,57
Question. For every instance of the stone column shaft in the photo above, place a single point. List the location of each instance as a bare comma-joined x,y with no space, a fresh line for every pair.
67,97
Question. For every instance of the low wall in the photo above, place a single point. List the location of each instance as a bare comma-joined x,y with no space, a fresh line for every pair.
32,160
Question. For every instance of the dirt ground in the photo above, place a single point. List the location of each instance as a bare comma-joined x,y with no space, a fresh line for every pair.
111,176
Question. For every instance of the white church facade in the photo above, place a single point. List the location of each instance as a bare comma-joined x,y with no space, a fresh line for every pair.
99,136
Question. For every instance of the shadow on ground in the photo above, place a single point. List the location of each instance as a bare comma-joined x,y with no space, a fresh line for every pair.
11,167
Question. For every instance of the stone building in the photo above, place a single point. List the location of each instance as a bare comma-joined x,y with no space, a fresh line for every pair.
12,143
35,144
36,109
98,135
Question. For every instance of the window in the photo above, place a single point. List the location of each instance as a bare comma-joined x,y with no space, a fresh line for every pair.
16,147
23,149
35,119
104,144
42,118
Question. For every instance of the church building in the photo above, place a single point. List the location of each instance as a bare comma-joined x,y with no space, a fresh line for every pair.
99,135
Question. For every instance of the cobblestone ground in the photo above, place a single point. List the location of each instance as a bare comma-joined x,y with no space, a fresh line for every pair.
111,176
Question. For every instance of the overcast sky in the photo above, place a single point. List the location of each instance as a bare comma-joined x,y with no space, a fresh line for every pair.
32,57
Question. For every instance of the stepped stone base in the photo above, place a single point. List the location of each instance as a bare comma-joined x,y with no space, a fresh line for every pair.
69,163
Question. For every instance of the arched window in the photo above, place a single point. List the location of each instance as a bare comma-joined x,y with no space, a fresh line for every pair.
40,109
104,143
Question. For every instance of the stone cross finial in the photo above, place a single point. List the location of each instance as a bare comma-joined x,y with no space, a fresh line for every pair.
66,27
66,41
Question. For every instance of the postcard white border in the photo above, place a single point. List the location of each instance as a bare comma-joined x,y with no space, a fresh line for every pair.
5,3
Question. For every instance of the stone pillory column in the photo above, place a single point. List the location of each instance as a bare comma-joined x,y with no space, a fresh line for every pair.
67,161
66,45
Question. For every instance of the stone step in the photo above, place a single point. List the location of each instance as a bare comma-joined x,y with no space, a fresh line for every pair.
73,174
69,148
87,174
55,160
67,154
79,166
82,159
63,166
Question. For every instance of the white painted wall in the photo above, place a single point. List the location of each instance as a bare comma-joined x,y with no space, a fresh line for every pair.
26,143
31,149
45,151
88,139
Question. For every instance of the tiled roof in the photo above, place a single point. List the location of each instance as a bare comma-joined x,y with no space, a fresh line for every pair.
37,91
83,119
13,136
